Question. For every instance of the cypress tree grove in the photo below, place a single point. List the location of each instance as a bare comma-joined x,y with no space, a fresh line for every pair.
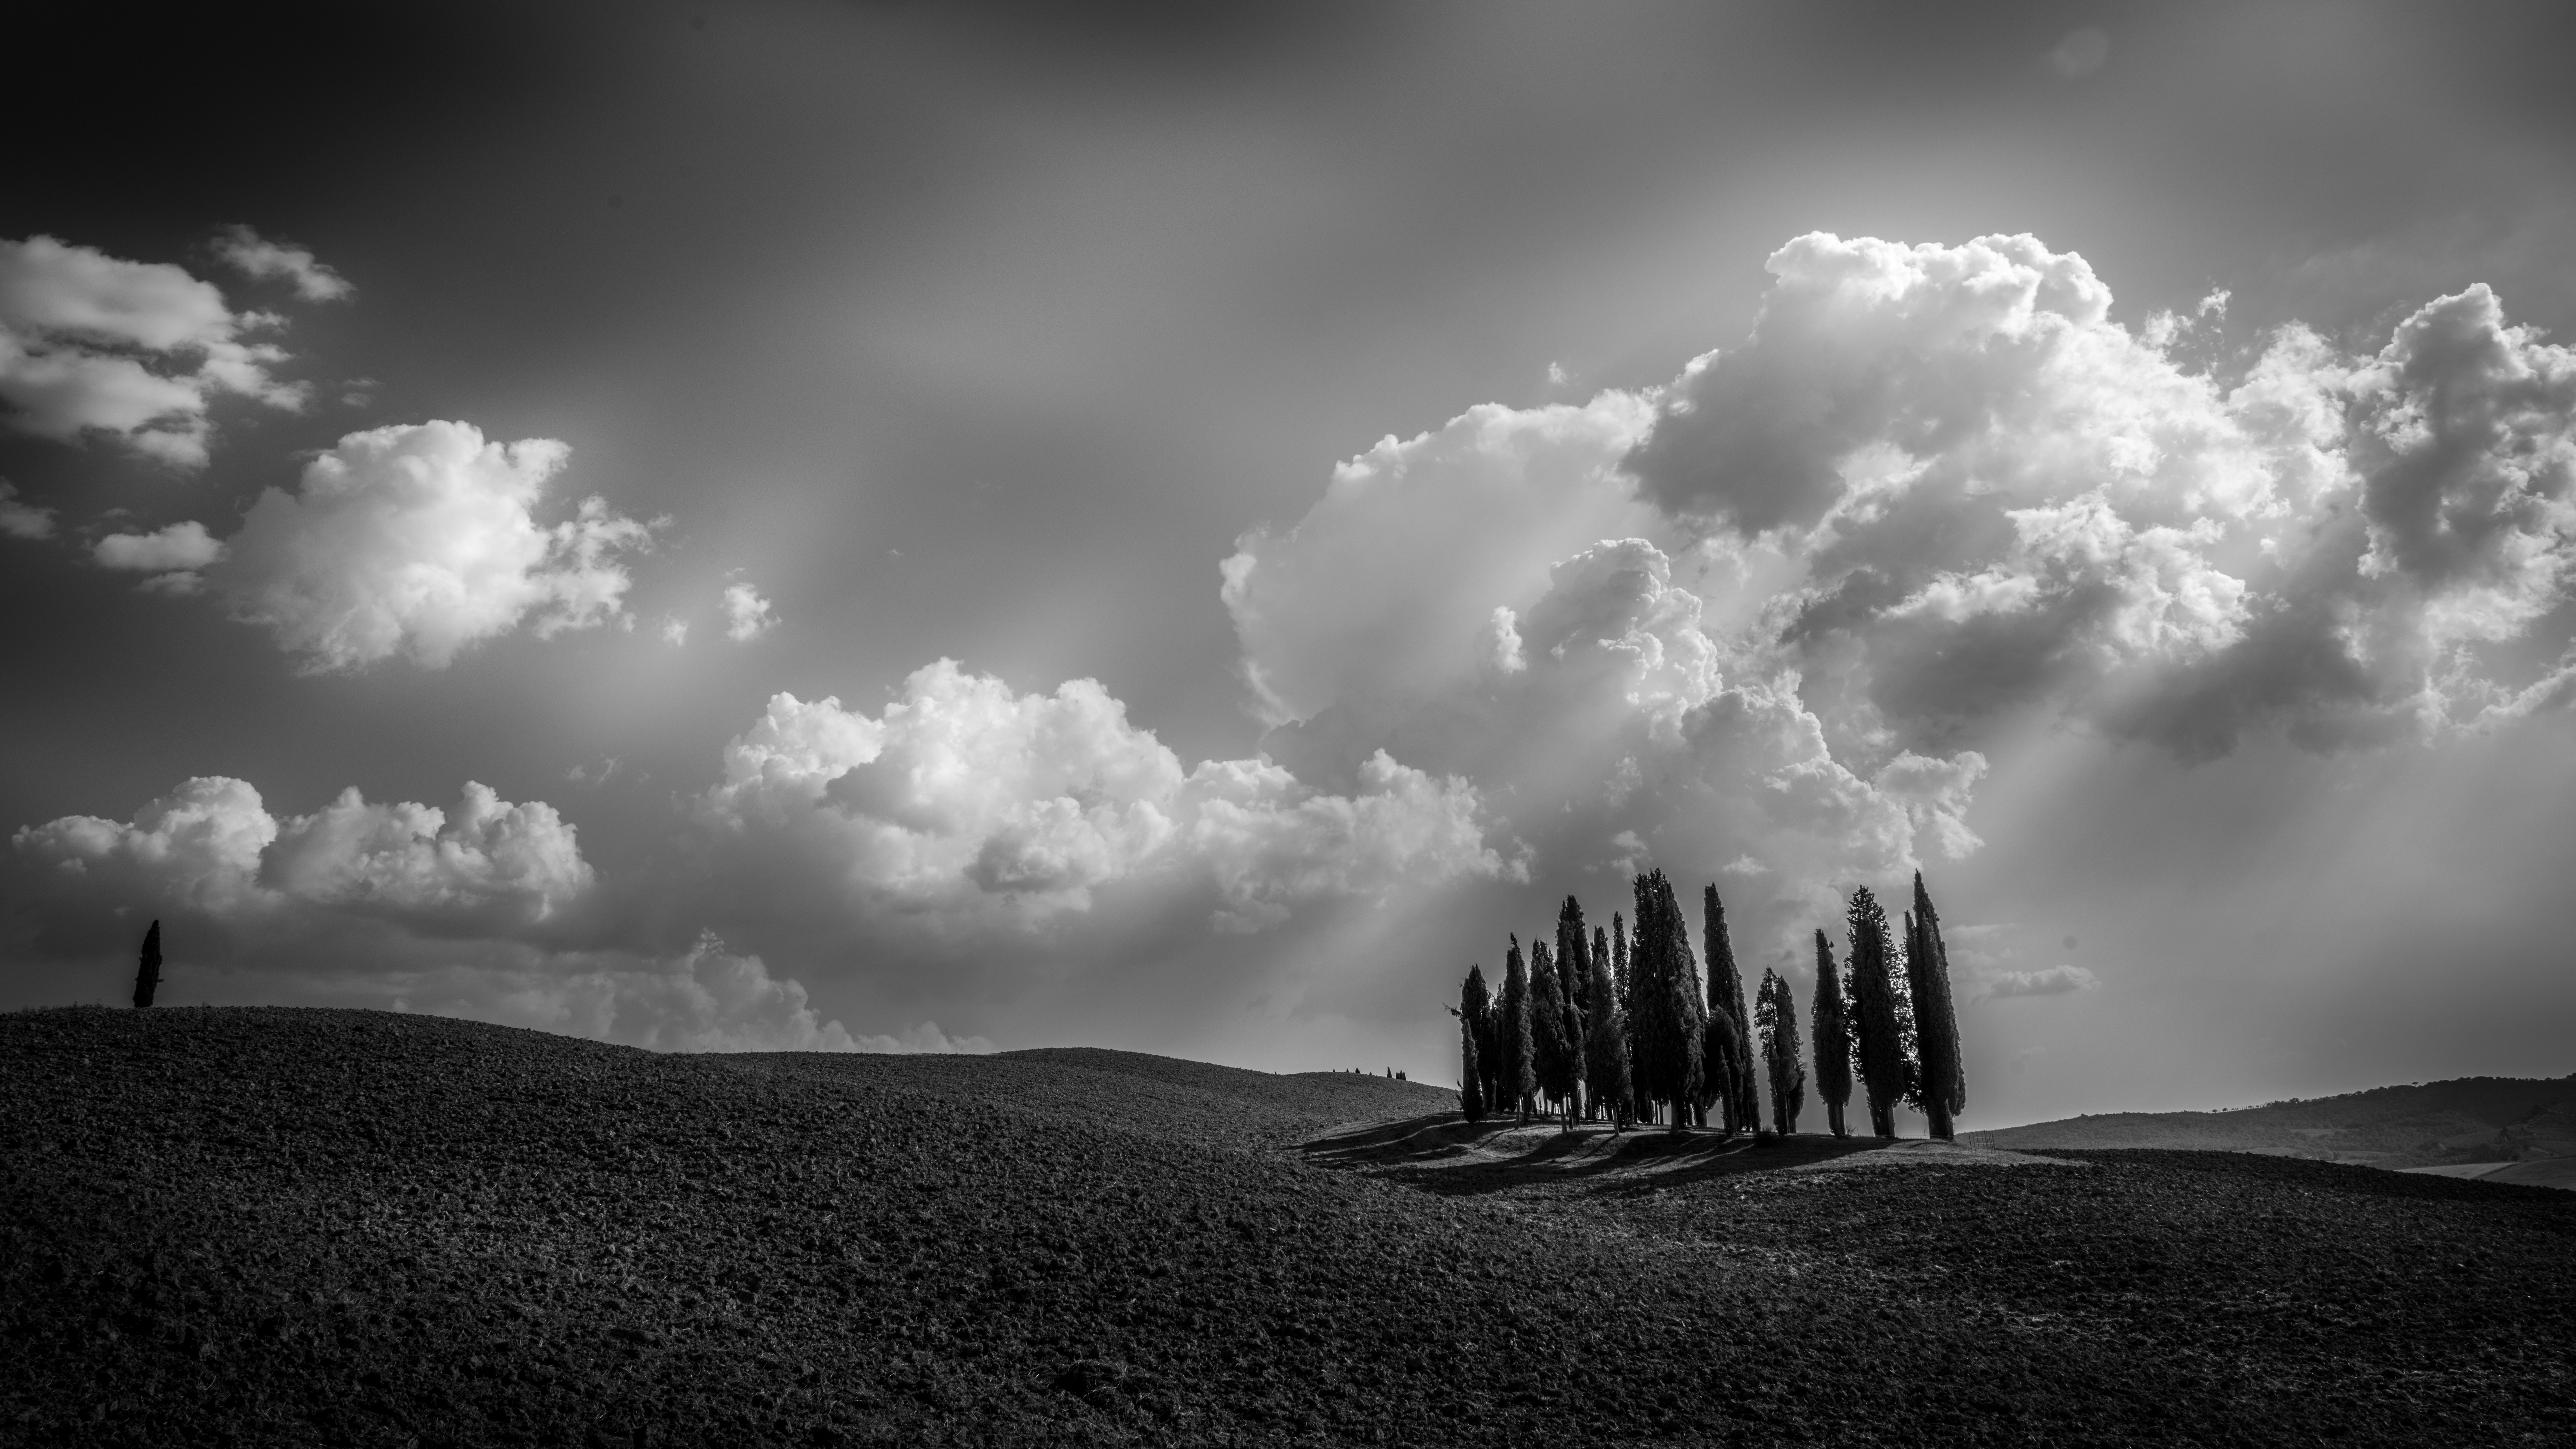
1471,1072
147,971
1512,1036
1782,1053
1552,1060
1833,1038
1944,1087
1885,1074
1726,990
1605,1047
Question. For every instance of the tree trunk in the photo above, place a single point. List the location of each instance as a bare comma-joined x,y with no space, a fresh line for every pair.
1940,1114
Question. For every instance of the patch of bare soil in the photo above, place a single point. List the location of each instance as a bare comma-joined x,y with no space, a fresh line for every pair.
328,1228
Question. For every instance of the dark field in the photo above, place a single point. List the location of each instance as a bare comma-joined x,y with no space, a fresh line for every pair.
304,1227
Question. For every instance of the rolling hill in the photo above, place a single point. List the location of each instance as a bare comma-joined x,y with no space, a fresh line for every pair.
2434,1124
297,1227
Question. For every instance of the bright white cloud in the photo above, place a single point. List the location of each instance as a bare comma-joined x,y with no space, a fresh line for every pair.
747,614
21,519
1996,496
212,847
181,546
136,351
423,541
258,257
964,808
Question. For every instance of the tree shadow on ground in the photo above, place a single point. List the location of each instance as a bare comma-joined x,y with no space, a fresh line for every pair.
1446,1154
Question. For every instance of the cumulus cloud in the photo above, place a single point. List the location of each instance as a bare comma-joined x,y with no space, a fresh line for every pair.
212,847
136,351
259,258
423,541
2047,981
178,547
1989,495
963,808
747,614
20,519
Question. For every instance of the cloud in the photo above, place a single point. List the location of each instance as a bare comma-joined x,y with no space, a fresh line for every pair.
2047,981
747,614
1989,496
259,258
181,546
964,811
422,540
23,520
212,848
136,351
675,631
926,1038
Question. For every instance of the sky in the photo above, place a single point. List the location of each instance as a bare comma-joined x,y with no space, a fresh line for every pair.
1179,528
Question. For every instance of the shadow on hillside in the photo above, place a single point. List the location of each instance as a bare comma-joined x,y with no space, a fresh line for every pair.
1446,1154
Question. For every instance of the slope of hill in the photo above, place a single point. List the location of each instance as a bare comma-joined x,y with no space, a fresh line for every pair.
2472,1119
281,1227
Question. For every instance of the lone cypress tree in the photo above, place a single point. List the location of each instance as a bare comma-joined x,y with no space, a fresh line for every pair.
1553,1061
1885,1074
147,972
1512,1036
1833,1038
1944,1083
1782,1053
1726,990
1605,1048
1472,1006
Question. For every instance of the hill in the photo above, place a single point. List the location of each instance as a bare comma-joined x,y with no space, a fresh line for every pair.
2469,1120
345,1228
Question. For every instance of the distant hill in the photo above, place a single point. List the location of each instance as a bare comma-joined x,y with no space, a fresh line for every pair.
2435,1124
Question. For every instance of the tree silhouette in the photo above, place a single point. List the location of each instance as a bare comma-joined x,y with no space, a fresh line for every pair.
1726,991
1833,1038
1668,1020
1472,1006
1555,1056
1574,977
1885,1073
147,972
1782,1053
1512,1036
1944,1085
1605,1048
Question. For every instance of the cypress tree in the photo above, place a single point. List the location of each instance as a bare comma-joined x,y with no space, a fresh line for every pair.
1512,1036
1782,1053
1476,1004
1574,976
1726,989
1833,1038
1472,1006
1884,1070
147,972
1944,1086
1668,1021
1719,1035
1605,1048
1553,1063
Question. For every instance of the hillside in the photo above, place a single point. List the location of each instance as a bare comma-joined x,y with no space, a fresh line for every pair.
2470,1120
347,1228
